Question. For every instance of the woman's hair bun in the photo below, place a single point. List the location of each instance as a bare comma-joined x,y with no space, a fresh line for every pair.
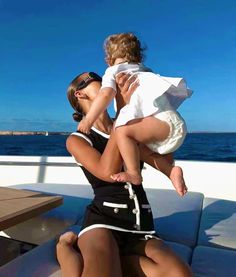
77,116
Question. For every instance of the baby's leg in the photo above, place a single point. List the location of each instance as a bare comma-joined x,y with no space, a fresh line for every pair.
177,179
70,260
142,130
165,163
130,153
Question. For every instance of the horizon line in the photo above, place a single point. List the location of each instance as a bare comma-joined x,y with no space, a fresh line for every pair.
69,132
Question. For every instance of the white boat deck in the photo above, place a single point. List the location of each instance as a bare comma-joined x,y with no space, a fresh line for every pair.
213,179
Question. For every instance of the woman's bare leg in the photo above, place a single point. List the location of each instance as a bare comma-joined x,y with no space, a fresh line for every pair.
100,254
71,262
154,259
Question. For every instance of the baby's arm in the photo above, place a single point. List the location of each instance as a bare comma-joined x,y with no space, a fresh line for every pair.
99,105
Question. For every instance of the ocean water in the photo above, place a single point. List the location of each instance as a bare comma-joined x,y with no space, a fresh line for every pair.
208,147
197,146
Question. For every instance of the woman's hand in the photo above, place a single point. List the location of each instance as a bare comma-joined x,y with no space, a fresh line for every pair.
126,84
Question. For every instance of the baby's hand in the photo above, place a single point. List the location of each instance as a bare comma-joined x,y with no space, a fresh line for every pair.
84,126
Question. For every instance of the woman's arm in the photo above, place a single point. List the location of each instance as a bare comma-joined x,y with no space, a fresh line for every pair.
100,165
109,162
99,105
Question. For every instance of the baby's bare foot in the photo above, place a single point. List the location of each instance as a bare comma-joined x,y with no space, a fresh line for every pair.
177,179
134,179
68,238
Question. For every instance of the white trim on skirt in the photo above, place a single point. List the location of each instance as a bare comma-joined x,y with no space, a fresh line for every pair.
94,226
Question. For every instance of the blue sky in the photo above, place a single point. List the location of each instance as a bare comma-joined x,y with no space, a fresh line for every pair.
45,44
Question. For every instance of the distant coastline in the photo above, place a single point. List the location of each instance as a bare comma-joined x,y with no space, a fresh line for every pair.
48,133
25,133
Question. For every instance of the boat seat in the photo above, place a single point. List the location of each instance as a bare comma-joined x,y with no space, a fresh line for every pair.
176,218
183,251
213,262
218,224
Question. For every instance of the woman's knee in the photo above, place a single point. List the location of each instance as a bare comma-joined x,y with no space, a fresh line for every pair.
98,243
166,260
100,253
68,238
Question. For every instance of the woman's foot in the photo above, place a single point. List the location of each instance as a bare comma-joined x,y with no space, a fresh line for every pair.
177,179
134,179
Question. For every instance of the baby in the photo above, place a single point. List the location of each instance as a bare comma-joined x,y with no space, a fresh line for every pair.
150,118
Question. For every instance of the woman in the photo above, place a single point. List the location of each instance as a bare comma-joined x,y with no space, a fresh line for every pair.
117,235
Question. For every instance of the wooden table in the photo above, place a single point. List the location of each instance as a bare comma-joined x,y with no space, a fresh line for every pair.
17,205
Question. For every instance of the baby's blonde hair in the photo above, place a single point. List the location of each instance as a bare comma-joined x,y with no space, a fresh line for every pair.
125,46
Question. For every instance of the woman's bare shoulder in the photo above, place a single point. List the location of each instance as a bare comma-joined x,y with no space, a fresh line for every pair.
78,137
78,143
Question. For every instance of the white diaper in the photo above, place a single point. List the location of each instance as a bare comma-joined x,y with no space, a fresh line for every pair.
176,136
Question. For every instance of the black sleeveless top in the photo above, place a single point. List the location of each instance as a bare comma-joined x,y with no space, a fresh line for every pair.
117,206
98,141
